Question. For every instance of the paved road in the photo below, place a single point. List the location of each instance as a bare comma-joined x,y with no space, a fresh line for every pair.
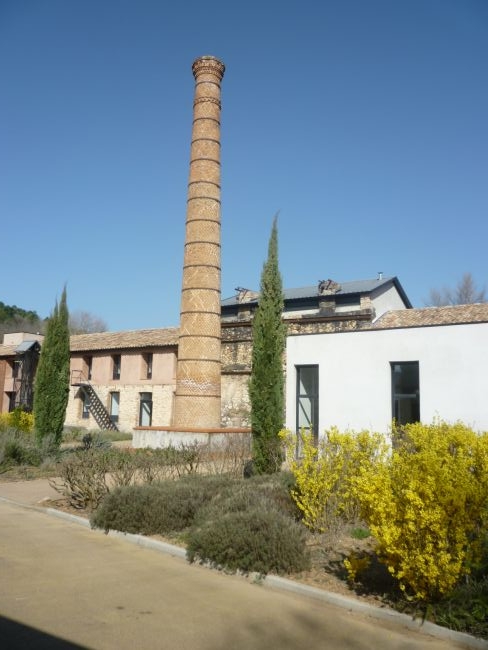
63,586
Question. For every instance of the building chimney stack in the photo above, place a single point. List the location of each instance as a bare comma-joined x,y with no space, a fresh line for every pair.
197,398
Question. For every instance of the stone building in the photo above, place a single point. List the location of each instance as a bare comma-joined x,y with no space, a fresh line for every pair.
357,355
133,374
19,355
128,379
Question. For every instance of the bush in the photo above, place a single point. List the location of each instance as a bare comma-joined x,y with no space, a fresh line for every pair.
87,474
229,456
159,508
427,506
250,525
17,419
83,477
76,434
243,514
252,537
325,475
17,448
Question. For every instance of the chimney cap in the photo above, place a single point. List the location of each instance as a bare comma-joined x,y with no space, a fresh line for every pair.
208,63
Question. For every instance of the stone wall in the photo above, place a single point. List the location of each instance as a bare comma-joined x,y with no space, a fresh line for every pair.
236,408
237,356
162,398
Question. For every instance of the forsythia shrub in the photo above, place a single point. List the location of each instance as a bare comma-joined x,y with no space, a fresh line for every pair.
17,419
325,475
355,565
427,506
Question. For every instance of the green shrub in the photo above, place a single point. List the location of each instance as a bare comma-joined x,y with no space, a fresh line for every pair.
17,448
250,525
272,489
159,508
360,533
466,610
250,537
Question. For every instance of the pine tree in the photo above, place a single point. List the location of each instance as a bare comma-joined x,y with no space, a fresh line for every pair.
51,390
266,386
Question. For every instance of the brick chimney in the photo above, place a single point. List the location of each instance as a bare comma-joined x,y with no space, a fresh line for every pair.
197,398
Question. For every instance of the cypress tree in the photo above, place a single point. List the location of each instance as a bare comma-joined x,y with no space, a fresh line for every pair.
266,386
51,389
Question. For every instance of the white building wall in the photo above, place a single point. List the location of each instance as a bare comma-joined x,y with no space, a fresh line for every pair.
386,300
355,374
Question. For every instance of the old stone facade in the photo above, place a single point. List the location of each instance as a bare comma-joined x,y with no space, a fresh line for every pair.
133,374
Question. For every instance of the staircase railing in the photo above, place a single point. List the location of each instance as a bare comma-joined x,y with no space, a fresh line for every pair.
93,402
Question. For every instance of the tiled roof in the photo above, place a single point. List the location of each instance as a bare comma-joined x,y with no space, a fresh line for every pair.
456,314
163,337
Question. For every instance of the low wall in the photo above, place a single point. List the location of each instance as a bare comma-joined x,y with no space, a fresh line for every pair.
158,437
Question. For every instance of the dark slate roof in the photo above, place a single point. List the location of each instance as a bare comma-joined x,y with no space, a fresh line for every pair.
429,316
347,288
17,348
25,346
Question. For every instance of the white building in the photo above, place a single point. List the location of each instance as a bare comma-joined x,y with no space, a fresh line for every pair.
412,364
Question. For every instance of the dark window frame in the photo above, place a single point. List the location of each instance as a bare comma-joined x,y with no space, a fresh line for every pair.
412,396
142,402
148,362
85,406
114,416
88,360
313,397
12,397
116,365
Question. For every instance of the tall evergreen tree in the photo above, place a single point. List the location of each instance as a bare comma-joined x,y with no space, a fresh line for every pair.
266,386
51,390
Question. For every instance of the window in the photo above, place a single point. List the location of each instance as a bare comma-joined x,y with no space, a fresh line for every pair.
116,366
85,406
15,369
114,406
88,367
145,409
147,365
405,391
307,405
11,401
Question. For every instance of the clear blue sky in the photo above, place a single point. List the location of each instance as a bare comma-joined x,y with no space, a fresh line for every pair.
363,122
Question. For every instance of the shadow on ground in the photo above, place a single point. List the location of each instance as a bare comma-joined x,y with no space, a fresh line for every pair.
17,636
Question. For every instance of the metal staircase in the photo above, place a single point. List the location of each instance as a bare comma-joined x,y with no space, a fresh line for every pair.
93,402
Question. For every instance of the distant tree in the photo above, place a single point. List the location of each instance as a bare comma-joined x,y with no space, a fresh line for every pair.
465,293
10,312
16,319
51,389
19,324
266,386
84,322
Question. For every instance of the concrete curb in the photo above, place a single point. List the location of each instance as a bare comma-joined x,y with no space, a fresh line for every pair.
378,613
283,584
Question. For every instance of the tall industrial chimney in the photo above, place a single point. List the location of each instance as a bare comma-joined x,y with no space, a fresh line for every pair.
197,399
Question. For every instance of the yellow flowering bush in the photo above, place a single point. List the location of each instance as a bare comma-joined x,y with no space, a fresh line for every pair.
426,505
17,419
355,565
325,475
